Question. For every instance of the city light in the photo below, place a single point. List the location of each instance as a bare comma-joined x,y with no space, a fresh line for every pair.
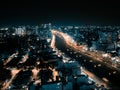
47,57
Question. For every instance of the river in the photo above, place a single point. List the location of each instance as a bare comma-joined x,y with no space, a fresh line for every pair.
101,70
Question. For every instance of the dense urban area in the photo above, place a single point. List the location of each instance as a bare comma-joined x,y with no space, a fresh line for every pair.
47,57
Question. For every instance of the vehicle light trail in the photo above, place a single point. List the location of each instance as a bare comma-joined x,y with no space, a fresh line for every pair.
95,78
82,49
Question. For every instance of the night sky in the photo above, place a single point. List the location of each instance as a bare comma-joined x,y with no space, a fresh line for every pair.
81,12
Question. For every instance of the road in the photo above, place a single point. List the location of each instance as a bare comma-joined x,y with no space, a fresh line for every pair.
7,84
95,78
10,58
83,49
92,62
35,74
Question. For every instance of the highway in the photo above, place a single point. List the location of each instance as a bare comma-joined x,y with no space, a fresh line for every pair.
91,61
82,49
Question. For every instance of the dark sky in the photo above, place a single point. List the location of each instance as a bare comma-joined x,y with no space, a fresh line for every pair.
81,12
